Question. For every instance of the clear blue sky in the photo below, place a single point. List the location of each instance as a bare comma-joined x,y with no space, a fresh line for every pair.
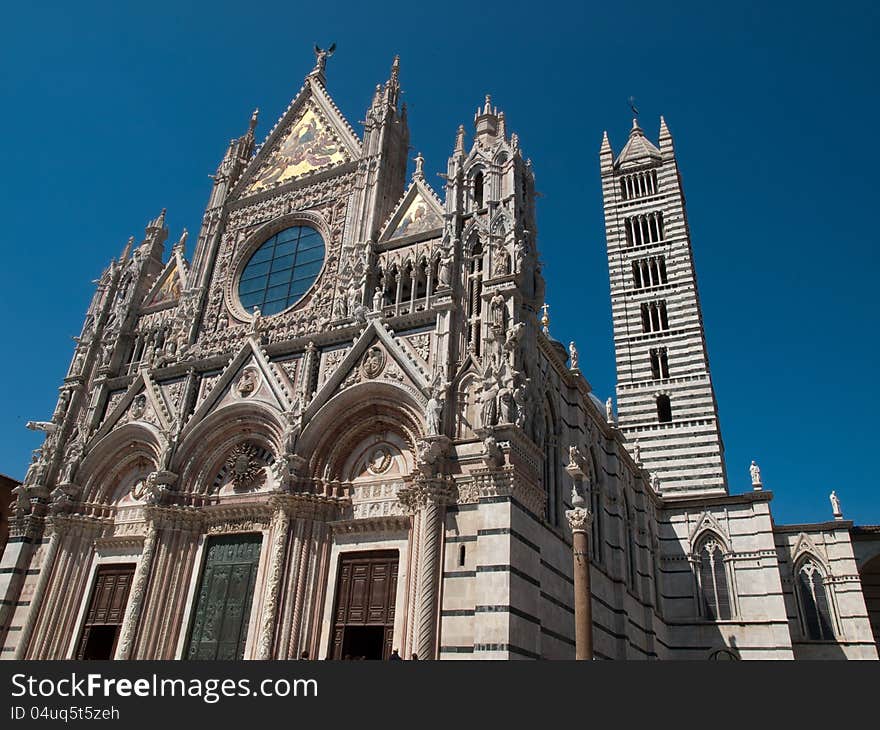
113,111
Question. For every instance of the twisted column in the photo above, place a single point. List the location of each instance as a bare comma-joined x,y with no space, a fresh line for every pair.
138,594
280,525
429,576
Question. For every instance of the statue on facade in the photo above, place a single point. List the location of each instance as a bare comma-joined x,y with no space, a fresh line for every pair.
835,505
502,261
520,399
321,56
573,353
755,472
72,457
444,273
655,482
609,410
488,408
377,299
434,412
498,311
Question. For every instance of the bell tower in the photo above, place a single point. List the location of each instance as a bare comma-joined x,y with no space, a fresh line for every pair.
666,401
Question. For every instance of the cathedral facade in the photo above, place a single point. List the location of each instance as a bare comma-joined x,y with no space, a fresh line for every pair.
341,427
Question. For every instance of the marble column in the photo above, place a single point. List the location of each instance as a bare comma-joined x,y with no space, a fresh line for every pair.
140,581
37,598
280,527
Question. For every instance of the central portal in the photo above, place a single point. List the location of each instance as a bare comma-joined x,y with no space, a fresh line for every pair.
363,617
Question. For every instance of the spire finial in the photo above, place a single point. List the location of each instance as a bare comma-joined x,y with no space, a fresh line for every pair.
487,109
321,56
254,117
181,243
459,139
395,67
545,318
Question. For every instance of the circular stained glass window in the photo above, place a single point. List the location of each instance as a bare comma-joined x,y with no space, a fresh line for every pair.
281,270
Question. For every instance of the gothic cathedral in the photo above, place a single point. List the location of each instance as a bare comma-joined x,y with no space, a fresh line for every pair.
341,427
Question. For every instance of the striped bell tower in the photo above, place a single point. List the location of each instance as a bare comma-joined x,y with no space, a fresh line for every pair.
666,402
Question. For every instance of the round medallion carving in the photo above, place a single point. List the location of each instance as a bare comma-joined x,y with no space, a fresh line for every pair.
380,460
373,362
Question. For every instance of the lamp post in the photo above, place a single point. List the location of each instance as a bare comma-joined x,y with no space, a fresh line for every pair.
579,519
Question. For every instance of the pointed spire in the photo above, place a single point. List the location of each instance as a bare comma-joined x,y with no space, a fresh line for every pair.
486,120
419,173
545,318
666,146
126,252
158,223
606,154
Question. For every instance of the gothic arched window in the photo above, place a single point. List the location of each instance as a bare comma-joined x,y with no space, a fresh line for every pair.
813,601
712,579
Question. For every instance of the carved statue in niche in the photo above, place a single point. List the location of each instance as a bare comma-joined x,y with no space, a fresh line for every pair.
498,311
488,408
520,398
377,299
502,261
434,411
444,274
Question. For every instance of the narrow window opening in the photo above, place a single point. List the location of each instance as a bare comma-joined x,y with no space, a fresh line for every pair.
664,409
462,551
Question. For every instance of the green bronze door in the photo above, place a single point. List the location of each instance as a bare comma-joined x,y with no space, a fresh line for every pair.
223,601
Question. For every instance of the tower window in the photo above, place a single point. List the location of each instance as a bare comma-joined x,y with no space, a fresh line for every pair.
813,601
642,230
664,409
638,185
654,317
712,577
649,271
659,363
461,556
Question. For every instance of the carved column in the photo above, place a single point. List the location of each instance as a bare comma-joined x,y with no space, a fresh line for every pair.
427,499
579,519
280,525
138,594
39,593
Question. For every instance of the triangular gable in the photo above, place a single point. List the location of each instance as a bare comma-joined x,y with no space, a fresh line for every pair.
804,544
311,135
709,523
418,212
153,409
397,357
262,382
169,284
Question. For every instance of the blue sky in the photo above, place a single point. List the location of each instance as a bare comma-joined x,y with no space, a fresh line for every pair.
113,111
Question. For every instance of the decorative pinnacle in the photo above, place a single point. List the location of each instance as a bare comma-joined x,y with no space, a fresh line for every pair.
253,125
459,139
545,319
395,68
181,243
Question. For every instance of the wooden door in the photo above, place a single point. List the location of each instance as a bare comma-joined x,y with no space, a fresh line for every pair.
103,621
224,598
366,590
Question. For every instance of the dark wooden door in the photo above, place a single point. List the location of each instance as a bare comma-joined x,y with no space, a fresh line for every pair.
363,618
103,621
224,598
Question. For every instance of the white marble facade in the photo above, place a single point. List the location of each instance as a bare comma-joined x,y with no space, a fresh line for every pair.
410,402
